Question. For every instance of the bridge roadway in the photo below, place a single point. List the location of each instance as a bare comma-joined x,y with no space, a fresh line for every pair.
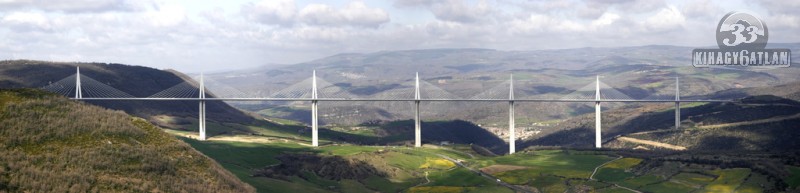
396,100
417,138
315,99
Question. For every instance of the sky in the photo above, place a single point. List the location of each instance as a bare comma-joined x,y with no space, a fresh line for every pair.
214,35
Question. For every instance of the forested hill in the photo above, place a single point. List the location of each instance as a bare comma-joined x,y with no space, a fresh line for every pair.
51,144
135,80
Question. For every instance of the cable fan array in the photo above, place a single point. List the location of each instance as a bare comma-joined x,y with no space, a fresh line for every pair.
302,90
91,88
588,92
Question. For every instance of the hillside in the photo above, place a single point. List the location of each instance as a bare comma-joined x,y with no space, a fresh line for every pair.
51,144
135,80
402,133
756,122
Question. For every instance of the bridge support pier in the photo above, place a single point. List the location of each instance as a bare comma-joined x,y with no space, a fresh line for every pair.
202,111
598,143
314,112
417,123
677,115
314,125
202,120
417,126
512,135
677,104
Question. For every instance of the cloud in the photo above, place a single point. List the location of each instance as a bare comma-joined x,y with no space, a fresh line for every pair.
414,3
73,6
666,19
166,16
457,11
780,6
701,9
284,13
171,34
274,12
452,10
782,15
353,14
26,21
605,19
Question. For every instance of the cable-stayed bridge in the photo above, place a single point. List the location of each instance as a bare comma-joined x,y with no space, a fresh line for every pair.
315,90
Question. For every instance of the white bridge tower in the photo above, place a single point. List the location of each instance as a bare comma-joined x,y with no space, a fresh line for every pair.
202,111
512,135
598,143
314,111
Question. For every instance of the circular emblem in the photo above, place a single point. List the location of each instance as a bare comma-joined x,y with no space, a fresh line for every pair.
739,31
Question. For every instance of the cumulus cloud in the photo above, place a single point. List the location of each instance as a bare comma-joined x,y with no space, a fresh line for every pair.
284,13
702,9
665,19
26,21
452,10
782,13
170,34
353,14
73,6
277,12
166,16
780,6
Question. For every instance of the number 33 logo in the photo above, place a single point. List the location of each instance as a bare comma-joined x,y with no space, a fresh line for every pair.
738,29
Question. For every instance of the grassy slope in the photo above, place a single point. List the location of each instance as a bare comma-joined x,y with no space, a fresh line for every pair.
51,144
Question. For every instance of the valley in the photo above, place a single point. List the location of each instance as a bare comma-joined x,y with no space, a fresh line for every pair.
542,170
745,145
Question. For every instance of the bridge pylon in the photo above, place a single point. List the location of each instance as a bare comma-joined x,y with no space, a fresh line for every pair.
78,92
598,143
512,135
314,111
417,123
677,104
202,111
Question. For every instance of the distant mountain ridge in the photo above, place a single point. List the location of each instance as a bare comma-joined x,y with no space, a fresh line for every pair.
639,72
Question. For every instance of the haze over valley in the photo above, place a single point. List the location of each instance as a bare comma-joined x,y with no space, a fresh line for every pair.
398,96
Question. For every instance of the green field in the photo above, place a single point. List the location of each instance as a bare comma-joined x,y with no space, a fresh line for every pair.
667,187
794,178
554,162
548,183
641,181
616,171
545,170
753,184
693,179
458,177
614,189
728,180
242,158
549,167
